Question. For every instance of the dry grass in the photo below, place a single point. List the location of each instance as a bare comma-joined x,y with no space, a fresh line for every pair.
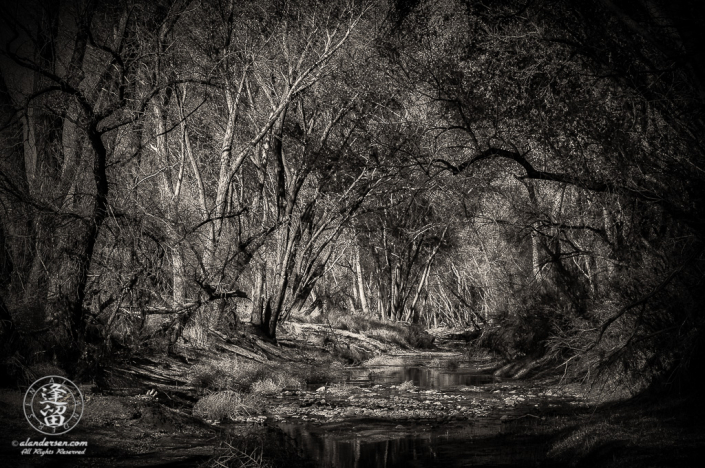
407,386
228,404
388,335
275,384
398,333
266,387
450,364
351,354
352,323
320,371
383,360
242,375
340,390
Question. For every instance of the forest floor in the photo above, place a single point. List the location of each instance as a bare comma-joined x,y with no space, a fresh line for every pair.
141,413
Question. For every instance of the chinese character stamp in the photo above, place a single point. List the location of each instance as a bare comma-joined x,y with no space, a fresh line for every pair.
53,405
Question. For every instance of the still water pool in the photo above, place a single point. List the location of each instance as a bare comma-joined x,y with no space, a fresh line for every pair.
494,436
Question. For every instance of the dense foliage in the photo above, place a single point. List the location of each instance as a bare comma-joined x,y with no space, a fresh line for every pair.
532,170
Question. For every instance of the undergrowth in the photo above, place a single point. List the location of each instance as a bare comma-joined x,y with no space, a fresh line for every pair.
227,404
397,333
241,375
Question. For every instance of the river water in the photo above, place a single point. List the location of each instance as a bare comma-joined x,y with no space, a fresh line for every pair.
424,377
361,444
496,437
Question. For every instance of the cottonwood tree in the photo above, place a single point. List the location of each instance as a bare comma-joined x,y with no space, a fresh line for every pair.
235,80
68,81
314,165
599,102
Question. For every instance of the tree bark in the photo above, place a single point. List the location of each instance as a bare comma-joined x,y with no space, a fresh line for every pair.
361,284
257,308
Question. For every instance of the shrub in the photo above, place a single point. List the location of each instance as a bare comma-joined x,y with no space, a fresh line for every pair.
417,337
407,386
340,390
351,354
523,331
388,335
266,387
43,369
352,323
207,376
451,364
238,374
227,404
275,384
320,372
255,447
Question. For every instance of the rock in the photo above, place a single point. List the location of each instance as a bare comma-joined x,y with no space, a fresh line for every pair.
321,389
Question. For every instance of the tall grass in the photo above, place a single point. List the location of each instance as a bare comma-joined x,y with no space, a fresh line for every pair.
241,375
227,404
407,386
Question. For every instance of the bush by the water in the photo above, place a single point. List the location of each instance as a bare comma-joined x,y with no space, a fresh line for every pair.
242,375
407,386
227,404
522,331
450,364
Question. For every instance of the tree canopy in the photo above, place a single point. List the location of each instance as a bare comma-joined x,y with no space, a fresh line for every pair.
530,169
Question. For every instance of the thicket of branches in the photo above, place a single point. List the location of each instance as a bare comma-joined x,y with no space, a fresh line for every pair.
530,170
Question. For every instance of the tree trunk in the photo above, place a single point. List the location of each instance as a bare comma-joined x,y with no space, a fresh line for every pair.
258,296
361,284
178,285
609,262
536,260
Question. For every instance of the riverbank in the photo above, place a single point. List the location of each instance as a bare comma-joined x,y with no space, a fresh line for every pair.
151,412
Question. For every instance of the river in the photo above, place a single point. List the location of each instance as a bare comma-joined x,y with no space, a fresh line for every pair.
454,414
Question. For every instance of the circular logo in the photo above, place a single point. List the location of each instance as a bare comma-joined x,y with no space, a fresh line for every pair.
53,405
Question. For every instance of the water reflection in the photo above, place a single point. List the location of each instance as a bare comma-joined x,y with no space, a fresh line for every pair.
423,377
391,448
